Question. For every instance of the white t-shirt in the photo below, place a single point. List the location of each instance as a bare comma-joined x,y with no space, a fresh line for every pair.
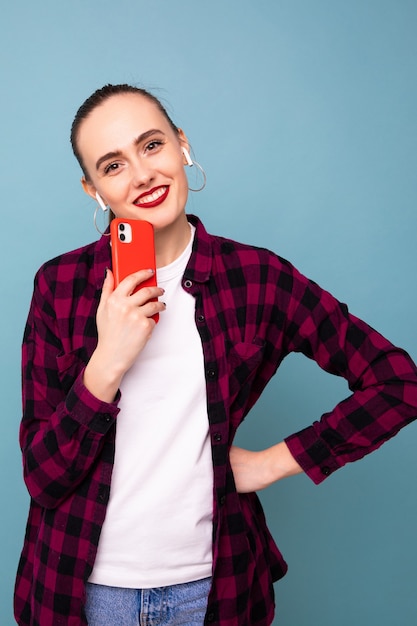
158,526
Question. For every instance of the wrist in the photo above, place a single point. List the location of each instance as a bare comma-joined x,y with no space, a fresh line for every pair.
101,381
279,463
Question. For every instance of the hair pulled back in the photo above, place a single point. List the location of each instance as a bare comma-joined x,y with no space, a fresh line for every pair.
99,97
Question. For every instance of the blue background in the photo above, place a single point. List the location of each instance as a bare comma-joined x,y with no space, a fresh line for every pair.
303,114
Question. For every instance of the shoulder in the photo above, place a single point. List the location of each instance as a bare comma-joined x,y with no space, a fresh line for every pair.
253,261
231,247
79,264
83,254
235,264
232,251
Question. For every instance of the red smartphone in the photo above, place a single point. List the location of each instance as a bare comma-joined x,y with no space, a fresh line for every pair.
133,249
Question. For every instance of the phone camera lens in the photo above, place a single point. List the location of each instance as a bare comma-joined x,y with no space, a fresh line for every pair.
122,237
121,226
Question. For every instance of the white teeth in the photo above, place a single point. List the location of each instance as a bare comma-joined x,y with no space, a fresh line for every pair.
153,196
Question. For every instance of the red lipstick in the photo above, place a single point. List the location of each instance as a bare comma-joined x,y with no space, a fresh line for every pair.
155,202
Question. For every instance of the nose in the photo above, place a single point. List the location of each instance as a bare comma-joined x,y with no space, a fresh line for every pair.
142,172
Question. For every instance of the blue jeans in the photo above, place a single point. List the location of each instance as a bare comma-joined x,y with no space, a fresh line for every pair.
177,605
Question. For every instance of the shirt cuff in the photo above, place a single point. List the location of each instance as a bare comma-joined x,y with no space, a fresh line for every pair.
88,410
312,454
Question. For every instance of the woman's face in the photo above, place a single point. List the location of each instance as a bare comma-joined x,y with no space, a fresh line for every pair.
134,160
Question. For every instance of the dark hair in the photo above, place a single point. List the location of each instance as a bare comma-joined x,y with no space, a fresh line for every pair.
99,97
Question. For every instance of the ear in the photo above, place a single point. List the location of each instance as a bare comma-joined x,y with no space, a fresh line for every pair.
183,142
88,187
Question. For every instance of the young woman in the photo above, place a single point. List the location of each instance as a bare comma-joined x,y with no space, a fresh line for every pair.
140,505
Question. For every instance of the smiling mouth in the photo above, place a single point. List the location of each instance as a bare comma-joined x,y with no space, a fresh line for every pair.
152,198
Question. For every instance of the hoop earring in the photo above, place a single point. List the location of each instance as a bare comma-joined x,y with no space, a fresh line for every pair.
104,208
190,163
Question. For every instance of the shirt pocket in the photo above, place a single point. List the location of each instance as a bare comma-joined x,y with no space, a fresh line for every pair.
244,359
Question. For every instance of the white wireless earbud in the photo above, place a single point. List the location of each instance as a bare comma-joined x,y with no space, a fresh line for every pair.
101,202
187,157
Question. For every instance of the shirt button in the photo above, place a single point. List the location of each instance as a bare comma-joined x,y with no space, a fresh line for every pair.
326,470
210,617
217,437
211,373
188,283
222,500
106,418
201,318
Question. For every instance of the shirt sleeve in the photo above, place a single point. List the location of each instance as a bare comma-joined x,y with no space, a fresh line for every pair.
64,426
382,378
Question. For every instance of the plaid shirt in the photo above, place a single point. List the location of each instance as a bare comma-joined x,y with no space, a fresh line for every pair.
252,309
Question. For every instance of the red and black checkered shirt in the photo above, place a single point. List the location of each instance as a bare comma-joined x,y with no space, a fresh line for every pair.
252,308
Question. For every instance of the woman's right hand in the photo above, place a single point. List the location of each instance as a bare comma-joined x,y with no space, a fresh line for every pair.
124,326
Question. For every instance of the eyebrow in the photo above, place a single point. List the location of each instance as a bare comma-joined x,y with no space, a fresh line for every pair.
136,142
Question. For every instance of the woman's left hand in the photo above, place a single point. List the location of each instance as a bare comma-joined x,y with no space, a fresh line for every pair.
254,471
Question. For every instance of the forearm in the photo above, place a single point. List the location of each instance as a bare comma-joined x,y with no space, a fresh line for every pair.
354,428
102,379
280,463
125,324
61,445
254,471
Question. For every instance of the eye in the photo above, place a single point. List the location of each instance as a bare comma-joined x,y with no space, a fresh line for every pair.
153,145
111,167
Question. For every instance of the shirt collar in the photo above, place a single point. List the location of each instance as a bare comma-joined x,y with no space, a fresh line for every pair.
102,259
200,263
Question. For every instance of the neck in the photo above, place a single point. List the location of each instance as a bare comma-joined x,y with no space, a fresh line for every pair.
170,242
